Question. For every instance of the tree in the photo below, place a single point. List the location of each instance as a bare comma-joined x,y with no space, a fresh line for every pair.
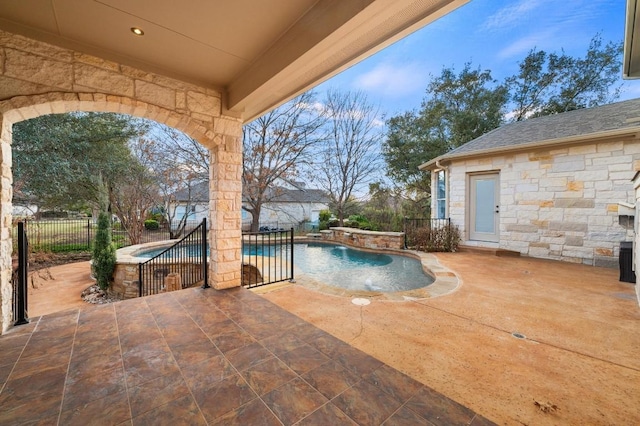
553,83
457,108
180,165
104,254
63,160
276,147
131,198
350,157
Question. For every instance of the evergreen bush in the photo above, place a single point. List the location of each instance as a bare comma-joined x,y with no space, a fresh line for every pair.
151,224
104,253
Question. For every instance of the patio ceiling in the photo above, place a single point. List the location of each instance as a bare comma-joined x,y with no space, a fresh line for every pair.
258,53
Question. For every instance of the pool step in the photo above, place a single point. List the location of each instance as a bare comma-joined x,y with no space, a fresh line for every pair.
489,250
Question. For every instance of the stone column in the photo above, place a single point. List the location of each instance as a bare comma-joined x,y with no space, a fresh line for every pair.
5,227
225,203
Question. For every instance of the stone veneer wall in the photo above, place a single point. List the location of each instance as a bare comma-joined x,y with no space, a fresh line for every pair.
556,203
37,79
365,239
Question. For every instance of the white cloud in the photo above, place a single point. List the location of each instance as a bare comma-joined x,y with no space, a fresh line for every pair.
520,47
393,80
511,16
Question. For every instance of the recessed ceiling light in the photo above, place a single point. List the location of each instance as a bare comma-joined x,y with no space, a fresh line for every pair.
137,31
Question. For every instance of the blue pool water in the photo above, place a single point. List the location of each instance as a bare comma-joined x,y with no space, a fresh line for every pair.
343,267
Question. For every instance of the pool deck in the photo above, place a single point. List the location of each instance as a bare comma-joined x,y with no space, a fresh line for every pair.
231,357
578,363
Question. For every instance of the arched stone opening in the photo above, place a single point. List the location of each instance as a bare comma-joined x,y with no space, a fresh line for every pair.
222,138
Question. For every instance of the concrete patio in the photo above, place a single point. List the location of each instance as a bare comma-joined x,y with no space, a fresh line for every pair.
232,357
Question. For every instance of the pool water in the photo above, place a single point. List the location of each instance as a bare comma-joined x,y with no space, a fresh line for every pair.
342,267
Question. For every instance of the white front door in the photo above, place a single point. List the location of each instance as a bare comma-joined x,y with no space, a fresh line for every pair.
484,215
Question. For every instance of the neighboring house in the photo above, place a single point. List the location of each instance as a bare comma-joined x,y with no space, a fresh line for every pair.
193,202
546,187
288,207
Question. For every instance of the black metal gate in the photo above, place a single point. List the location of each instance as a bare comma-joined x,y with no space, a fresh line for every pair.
267,257
184,262
19,278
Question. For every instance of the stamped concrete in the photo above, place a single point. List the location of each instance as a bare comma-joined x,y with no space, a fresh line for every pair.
578,362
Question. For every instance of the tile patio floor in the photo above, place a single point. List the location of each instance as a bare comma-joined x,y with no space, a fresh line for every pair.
202,357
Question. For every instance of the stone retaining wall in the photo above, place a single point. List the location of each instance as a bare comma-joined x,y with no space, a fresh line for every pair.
364,239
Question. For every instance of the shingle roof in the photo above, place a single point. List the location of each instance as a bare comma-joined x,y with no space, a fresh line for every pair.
284,195
200,193
587,122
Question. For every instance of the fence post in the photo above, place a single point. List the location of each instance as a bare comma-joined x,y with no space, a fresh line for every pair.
292,277
404,228
203,253
21,315
139,279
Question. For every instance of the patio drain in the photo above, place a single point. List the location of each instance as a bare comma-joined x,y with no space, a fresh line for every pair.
359,301
518,335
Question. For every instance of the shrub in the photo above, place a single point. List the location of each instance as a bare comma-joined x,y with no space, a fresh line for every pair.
151,224
104,253
428,239
333,223
324,215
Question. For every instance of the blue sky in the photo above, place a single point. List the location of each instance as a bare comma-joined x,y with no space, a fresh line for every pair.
491,34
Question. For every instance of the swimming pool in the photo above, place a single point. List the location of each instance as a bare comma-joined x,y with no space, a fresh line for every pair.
352,269
342,267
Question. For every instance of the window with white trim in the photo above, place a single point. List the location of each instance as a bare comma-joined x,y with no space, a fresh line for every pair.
441,195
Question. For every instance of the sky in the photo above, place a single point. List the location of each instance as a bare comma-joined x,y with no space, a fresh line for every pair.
490,34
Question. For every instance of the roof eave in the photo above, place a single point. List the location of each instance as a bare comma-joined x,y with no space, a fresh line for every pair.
558,142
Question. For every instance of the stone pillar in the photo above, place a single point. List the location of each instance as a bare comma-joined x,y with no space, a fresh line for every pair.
5,225
225,203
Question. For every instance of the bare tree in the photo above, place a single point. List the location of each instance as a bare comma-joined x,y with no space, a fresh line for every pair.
276,147
180,166
131,198
351,156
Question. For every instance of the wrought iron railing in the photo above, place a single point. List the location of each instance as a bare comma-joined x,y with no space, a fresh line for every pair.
267,257
19,278
182,265
429,234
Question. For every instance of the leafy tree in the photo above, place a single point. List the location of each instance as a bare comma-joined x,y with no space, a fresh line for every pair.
276,147
457,108
350,157
104,253
63,160
550,83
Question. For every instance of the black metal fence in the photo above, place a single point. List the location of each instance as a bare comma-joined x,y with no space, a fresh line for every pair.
267,257
19,278
182,265
68,235
430,234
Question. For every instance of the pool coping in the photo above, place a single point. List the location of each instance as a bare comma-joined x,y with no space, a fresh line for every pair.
445,280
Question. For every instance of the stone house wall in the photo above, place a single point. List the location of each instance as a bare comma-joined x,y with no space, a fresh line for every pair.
38,79
558,202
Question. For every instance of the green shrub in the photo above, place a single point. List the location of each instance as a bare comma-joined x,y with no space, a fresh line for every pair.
333,223
151,224
324,215
104,253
